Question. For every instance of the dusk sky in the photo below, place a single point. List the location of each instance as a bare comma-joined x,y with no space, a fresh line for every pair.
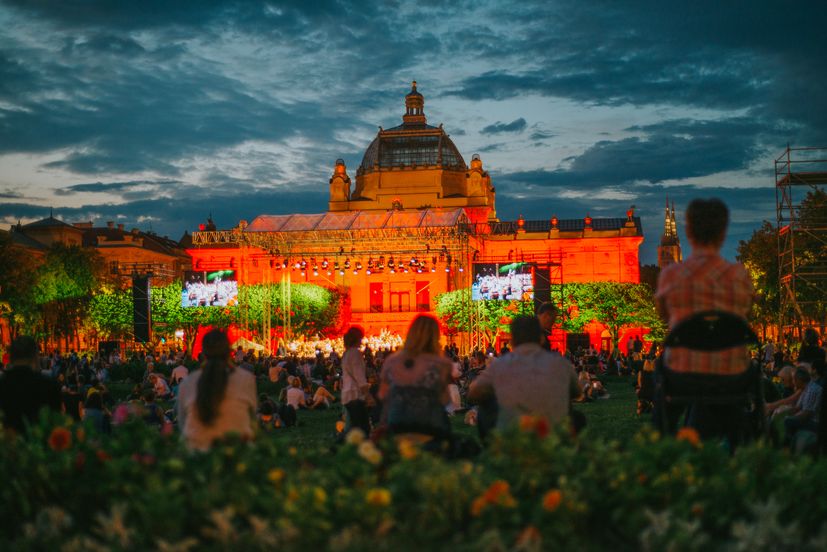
156,113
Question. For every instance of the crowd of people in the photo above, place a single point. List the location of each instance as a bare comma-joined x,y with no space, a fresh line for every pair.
412,387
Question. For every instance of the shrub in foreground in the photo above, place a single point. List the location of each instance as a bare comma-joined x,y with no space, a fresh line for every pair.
67,489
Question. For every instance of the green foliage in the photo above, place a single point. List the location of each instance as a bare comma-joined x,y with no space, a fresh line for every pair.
140,490
17,278
759,257
313,308
110,312
64,286
616,305
459,313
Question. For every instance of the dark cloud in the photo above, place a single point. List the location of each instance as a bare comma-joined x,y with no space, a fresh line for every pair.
10,194
540,135
188,208
113,187
517,125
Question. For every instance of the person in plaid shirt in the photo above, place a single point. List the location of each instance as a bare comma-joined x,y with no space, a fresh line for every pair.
705,281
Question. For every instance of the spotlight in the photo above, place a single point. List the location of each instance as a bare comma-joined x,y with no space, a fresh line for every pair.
329,273
356,272
358,265
433,269
390,262
413,261
347,263
325,264
336,265
447,268
341,273
461,269
367,271
315,273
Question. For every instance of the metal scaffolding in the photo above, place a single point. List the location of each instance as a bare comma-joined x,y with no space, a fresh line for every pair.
802,237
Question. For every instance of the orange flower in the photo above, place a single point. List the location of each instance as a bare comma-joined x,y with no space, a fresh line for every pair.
690,435
552,500
478,506
499,493
340,426
103,456
60,439
526,423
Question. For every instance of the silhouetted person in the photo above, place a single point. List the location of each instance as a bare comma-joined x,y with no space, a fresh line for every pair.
24,391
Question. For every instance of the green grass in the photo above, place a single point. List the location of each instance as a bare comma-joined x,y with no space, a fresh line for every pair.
612,418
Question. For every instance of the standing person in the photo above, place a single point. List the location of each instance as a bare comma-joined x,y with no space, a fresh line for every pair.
705,281
546,314
414,384
530,380
217,399
24,391
354,381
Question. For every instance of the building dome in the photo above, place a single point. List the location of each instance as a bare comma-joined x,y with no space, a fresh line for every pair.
414,143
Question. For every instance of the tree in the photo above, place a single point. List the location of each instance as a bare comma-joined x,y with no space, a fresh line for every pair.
759,257
616,305
458,312
110,312
64,286
17,277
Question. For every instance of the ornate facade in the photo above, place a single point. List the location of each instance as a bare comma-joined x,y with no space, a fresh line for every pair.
411,227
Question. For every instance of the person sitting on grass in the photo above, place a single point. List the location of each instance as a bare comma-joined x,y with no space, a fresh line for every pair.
805,414
217,399
530,380
295,396
322,398
800,378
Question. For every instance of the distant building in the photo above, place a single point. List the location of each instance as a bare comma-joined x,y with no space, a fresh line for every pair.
669,250
124,251
420,222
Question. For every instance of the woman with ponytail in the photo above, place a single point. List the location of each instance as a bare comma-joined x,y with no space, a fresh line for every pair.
217,399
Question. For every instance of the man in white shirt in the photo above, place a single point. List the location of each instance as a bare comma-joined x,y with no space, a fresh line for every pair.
529,380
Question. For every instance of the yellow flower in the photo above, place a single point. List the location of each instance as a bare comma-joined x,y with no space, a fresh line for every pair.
292,451
355,436
552,500
378,497
467,467
275,475
319,495
407,449
369,452
689,435
241,467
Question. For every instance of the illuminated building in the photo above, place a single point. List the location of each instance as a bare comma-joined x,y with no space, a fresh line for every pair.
412,226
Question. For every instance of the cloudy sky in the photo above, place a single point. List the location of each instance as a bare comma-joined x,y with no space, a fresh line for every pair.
156,113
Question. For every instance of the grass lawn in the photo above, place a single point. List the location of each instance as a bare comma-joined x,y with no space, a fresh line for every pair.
612,418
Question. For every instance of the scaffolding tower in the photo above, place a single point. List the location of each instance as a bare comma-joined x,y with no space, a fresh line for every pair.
802,237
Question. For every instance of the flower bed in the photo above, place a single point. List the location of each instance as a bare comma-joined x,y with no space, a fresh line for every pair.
66,489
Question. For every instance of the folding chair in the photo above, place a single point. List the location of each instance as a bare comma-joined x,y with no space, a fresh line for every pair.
730,406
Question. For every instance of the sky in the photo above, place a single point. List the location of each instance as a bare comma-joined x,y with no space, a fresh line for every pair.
156,114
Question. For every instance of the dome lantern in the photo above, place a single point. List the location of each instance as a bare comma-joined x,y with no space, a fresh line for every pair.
414,108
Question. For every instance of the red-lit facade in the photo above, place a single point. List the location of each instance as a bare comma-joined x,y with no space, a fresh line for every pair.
412,228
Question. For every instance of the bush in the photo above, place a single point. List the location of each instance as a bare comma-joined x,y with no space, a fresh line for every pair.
68,489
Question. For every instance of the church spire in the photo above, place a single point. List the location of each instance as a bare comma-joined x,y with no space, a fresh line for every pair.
669,250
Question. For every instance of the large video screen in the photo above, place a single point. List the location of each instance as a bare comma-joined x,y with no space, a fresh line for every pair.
217,288
503,282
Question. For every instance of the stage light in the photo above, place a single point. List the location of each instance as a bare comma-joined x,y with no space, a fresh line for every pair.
390,262
461,269
367,271
405,270
447,269
336,265
355,272
347,263
325,264
358,265
341,273
297,265
393,271
315,273
413,261
284,263
329,273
